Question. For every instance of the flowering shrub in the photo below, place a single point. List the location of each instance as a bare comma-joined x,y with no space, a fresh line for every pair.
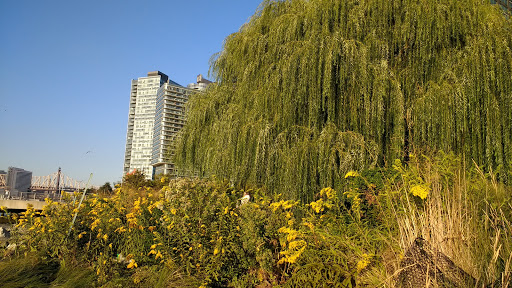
198,228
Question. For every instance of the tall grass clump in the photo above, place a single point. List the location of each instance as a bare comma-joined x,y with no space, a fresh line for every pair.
459,210
28,272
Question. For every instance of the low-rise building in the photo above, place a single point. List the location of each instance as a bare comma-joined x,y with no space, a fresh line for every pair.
18,180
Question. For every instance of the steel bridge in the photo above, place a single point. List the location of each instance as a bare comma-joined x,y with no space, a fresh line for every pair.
50,183
53,186
56,182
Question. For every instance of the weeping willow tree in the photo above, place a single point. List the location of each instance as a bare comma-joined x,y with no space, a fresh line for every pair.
310,89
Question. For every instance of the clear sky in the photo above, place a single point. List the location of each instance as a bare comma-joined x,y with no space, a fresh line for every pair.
66,68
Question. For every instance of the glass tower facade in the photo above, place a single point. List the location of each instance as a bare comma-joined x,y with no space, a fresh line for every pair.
141,119
156,115
169,119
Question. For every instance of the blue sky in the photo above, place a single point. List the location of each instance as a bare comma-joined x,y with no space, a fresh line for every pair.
66,67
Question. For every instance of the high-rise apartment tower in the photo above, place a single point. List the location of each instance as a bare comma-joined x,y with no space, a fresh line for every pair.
169,119
141,119
157,113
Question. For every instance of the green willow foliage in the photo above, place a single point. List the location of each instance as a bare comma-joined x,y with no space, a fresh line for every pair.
308,90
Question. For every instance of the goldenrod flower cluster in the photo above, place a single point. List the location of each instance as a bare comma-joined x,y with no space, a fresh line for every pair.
201,227
363,263
420,191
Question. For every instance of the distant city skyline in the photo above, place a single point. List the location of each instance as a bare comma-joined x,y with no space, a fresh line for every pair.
67,66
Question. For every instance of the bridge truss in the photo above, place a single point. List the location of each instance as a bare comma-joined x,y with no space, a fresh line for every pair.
49,183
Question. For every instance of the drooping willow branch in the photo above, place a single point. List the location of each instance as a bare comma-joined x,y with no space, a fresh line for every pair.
308,90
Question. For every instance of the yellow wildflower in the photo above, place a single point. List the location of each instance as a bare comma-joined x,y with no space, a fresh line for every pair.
329,192
288,204
283,204
295,249
292,234
351,174
120,230
95,223
132,264
311,226
420,191
319,205
363,263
